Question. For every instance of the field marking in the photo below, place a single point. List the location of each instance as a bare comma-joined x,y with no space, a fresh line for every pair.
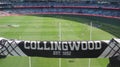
91,30
30,65
60,38
89,61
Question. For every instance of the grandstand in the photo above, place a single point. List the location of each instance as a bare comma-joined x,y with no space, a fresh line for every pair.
95,8
44,20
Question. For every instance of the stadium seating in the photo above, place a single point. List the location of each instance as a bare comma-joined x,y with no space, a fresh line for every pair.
81,8
52,10
63,4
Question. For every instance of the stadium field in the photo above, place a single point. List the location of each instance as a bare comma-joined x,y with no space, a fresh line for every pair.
57,27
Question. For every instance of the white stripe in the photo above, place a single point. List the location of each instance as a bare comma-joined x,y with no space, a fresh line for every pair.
20,51
17,49
91,31
5,51
30,65
60,35
10,49
117,53
106,51
89,61
113,51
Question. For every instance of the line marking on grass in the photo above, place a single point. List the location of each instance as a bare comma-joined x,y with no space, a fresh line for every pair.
60,38
89,61
91,25
30,65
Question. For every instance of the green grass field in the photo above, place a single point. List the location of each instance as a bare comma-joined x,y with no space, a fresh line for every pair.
46,27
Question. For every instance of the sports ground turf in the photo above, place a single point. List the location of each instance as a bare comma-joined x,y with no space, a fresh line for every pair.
50,27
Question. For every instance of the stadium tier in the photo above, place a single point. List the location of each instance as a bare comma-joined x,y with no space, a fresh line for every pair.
54,7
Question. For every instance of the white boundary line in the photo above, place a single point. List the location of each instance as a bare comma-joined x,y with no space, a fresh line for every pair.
30,65
60,35
89,62
91,25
